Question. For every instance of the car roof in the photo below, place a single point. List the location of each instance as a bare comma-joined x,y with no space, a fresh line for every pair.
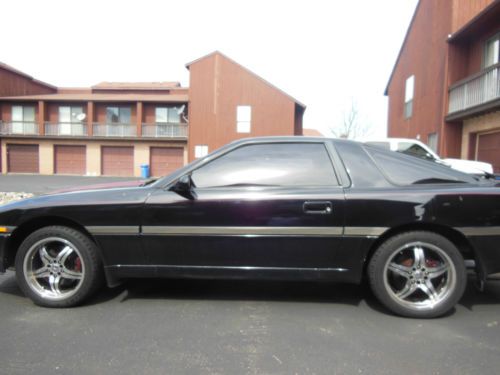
291,139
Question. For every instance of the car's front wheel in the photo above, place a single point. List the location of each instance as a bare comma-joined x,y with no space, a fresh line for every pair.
58,266
418,274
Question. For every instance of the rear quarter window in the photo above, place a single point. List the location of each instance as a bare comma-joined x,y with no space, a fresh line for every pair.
407,170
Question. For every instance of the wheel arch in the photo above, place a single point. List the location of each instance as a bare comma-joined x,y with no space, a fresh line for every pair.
457,238
31,225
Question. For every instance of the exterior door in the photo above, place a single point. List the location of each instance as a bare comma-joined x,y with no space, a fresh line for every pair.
165,160
22,158
23,120
70,159
488,149
266,206
117,161
65,120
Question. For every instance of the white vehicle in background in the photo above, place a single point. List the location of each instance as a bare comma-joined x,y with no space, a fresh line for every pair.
416,148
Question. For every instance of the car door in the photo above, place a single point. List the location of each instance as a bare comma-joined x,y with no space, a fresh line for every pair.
268,205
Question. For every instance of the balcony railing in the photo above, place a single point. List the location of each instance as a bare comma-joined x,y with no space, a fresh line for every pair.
18,128
114,130
66,129
476,90
165,130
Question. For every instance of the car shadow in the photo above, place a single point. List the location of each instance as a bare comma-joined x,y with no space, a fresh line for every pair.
252,290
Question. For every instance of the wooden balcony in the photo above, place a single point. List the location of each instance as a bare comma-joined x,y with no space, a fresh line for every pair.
475,94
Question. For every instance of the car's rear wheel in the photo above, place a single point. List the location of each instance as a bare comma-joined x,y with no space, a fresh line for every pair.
418,274
58,266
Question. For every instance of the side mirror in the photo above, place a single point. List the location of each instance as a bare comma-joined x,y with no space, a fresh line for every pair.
184,187
183,184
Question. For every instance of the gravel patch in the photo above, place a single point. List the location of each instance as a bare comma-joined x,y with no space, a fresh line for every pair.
13,196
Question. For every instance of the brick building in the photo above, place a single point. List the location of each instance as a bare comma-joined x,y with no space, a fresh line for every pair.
445,86
112,128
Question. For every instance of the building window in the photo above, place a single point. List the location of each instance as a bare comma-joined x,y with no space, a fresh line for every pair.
200,151
23,119
492,51
118,115
70,114
243,118
409,91
170,115
432,141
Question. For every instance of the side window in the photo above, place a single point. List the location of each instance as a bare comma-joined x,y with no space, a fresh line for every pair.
282,164
406,170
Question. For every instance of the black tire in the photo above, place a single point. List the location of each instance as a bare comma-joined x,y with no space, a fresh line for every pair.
393,282
86,279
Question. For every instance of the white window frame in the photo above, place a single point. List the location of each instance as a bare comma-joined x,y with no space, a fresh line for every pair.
409,95
243,119
200,151
495,41
19,123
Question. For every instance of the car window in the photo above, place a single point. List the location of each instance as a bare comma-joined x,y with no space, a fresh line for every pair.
360,167
271,164
414,149
406,170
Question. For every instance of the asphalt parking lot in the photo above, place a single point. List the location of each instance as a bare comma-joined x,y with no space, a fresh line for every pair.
242,327
39,184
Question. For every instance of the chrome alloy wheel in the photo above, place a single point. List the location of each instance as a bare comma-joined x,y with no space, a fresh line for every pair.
419,276
53,268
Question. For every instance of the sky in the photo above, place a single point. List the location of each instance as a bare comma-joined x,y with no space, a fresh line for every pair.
325,53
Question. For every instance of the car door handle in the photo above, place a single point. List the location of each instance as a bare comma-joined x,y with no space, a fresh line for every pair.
317,207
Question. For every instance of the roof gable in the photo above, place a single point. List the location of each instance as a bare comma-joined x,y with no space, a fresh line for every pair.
248,71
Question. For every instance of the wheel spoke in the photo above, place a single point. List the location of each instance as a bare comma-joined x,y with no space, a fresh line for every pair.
54,284
434,272
419,257
400,270
407,290
41,273
63,255
45,257
70,274
428,288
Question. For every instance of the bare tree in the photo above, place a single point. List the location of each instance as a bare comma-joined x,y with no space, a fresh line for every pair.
352,125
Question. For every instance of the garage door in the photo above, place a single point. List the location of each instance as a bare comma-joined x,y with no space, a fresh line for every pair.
488,149
22,158
117,161
70,160
165,160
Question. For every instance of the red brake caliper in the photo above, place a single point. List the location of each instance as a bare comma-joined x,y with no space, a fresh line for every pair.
78,265
431,263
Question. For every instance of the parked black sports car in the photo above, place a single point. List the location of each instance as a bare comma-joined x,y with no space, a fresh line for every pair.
283,208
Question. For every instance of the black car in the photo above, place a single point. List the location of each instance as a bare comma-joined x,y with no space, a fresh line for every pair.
267,208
